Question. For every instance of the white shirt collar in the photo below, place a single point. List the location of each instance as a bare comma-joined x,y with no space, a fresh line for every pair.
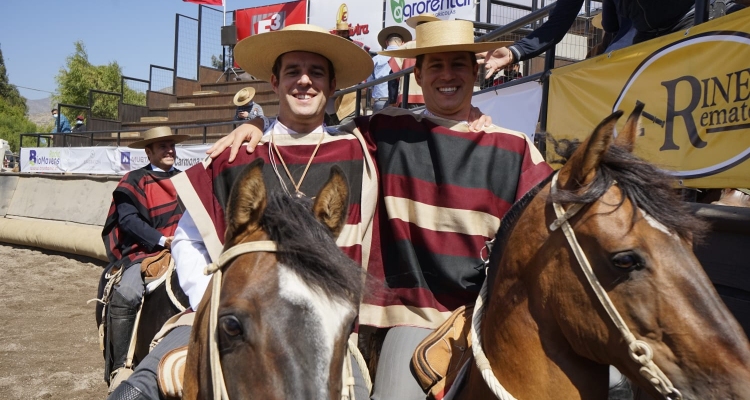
277,128
427,113
157,169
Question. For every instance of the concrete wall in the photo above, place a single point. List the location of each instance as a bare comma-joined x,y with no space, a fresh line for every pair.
7,189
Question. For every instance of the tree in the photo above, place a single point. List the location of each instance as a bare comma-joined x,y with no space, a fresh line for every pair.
13,120
80,76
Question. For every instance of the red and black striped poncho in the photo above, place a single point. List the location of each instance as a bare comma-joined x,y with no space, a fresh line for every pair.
442,193
155,198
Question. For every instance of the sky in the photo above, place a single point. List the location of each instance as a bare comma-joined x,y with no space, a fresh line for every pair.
36,36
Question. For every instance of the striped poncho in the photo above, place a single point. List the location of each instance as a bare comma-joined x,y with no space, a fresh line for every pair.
204,188
154,197
442,193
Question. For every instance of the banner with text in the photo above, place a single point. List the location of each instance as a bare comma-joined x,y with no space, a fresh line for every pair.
251,21
696,87
100,160
398,11
364,17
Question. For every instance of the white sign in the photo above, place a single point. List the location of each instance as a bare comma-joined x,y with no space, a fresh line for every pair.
398,11
364,18
515,108
100,160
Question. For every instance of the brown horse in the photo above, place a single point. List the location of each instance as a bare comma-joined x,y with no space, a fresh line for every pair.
285,314
544,329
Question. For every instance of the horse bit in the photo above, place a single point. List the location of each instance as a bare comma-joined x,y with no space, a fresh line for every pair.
639,350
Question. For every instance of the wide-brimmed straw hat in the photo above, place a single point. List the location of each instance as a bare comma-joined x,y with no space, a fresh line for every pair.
418,19
158,134
444,36
244,96
393,30
342,26
596,20
256,54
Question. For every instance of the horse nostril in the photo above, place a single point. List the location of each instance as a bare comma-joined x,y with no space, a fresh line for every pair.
231,326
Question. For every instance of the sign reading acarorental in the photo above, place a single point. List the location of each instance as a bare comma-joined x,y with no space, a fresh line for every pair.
398,11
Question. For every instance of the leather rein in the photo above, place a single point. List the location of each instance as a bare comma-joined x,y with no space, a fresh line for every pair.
638,350
217,375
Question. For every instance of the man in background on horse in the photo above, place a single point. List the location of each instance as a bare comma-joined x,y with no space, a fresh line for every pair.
141,223
304,64
443,189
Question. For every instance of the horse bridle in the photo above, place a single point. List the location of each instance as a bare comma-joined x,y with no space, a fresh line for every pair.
217,375
639,350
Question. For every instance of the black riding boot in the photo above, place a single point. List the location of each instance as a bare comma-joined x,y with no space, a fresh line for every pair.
126,391
621,390
121,319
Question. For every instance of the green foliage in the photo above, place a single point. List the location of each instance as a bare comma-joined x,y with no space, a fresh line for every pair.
217,62
79,76
13,120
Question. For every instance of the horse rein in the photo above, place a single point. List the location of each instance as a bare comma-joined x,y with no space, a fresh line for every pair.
217,375
639,350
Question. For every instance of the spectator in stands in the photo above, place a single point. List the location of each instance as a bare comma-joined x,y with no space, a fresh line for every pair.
650,19
141,223
61,124
247,109
342,30
415,97
344,107
79,126
385,94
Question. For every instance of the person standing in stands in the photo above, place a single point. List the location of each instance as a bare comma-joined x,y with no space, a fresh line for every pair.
62,125
141,223
386,93
79,126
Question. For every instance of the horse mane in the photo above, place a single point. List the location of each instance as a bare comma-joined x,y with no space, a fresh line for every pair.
306,246
646,186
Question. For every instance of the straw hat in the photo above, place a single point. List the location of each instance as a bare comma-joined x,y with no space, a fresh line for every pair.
445,36
393,30
596,20
418,19
342,26
244,96
256,54
158,134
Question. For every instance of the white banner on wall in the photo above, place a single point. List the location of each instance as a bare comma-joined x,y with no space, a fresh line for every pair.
516,108
365,18
100,160
398,11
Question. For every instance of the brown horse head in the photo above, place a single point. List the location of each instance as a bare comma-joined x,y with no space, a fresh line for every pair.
284,318
545,331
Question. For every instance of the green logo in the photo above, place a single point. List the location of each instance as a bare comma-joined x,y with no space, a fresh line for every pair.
397,10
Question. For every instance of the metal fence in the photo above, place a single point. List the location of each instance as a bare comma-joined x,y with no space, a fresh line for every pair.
134,90
210,50
161,79
186,47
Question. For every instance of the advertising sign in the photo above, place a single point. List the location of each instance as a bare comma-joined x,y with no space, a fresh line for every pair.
251,21
696,89
398,11
100,160
363,17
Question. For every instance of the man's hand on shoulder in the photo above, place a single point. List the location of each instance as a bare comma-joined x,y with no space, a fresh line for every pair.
249,132
478,121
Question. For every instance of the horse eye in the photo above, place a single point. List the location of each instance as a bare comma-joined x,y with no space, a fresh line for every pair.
626,261
231,326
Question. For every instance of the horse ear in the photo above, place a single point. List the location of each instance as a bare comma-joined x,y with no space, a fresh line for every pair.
247,201
332,202
581,167
633,128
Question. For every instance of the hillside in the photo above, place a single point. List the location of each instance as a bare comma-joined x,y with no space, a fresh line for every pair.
39,111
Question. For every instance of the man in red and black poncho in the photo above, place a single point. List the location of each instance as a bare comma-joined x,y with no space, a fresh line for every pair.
443,188
141,222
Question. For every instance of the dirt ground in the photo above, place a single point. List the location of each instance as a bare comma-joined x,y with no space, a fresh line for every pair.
49,347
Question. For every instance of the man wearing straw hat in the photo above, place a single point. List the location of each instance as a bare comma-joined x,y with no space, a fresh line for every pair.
304,65
444,188
141,223
247,109
383,94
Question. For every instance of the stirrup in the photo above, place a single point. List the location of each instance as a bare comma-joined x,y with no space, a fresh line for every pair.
117,377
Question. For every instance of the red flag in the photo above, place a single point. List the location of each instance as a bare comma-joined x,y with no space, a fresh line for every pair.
206,2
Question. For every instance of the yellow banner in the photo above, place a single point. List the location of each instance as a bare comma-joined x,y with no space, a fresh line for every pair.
696,88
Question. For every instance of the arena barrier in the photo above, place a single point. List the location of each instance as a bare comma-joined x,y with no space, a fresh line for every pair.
56,212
